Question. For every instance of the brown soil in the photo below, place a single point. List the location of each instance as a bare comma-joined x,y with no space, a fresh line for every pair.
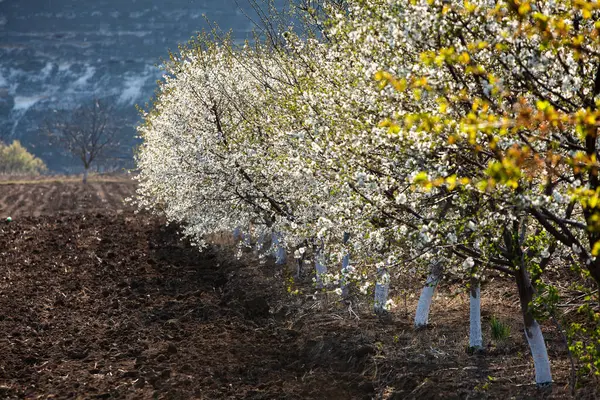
67,195
114,305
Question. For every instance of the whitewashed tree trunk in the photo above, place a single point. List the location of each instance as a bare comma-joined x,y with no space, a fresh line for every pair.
85,174
382,288
513,241
320,267
237,234
280,253
475,334
541,362
345,264
422,314
281,256
344,280
533,332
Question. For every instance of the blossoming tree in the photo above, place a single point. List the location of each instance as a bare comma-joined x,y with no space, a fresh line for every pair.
426,137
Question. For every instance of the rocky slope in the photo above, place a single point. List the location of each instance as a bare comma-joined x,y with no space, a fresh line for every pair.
55,54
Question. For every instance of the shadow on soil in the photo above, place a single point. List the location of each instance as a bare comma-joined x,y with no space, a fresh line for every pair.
117,306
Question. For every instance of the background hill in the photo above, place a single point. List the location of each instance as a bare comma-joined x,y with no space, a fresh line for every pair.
57,54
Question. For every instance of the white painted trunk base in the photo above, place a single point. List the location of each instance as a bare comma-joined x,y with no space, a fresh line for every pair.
381,296
345,262
280,256
85,175
280,253
541,362
320,268
475,334
344,280
382,288
422,314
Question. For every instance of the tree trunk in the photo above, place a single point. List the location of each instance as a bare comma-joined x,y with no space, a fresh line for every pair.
345,264
320,267
475,335
422,314
85,174
533,332
344,280
541,362
237,234
382,288
280,254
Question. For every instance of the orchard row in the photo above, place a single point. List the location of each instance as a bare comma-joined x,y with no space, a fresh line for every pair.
414,137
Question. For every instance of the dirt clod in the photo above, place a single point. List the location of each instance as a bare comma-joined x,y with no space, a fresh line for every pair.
171,348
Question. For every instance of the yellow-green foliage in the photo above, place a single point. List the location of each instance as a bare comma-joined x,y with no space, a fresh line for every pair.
15,159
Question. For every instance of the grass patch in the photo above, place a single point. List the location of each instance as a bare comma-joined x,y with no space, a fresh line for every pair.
500,330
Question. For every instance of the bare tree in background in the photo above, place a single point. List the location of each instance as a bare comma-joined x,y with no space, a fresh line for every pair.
88,132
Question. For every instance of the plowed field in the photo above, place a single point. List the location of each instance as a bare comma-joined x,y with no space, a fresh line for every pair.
109,304
63,195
